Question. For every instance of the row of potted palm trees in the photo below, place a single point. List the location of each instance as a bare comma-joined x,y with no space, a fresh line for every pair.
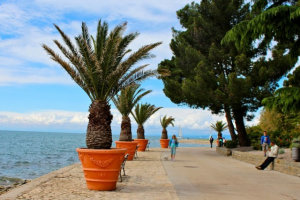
103,67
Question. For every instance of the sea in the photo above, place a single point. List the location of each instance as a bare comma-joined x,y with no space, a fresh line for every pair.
28,155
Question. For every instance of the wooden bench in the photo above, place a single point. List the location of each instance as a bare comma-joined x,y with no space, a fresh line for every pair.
123,167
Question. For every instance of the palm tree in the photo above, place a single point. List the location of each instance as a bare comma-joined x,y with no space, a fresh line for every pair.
101,66
219,126
165,123
125,102
141,114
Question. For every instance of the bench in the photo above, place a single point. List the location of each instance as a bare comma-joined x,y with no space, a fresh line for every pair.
123,167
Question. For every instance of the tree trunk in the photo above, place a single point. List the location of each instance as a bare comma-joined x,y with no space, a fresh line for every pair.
125,134
140,132
240,127
230,124
219,135
164,134
98,134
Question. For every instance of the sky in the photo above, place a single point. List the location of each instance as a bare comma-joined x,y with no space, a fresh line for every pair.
36,94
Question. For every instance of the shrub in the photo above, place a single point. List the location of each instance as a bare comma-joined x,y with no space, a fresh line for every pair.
295,143
231,144
281,151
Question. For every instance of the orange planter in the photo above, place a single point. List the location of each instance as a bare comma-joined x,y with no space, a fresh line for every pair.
142,144
164,143
101,167
130,146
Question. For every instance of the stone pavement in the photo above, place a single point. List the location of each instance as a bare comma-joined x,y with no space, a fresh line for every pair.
146,179
201,173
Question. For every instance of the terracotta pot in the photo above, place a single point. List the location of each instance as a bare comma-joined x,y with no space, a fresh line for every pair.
130,146
101,167
164,143
142,144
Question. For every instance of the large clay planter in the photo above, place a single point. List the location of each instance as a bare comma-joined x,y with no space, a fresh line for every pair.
130,146
101,167
142,143
164,143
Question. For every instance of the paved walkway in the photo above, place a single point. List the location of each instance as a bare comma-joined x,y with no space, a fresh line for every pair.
200,173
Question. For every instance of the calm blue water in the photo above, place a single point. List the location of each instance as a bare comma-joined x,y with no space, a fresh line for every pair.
28,155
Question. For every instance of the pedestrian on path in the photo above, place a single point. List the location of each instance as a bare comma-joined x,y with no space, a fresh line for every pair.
272,154
265,142
173,143
211,140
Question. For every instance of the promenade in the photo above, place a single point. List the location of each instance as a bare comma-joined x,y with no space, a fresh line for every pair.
197,173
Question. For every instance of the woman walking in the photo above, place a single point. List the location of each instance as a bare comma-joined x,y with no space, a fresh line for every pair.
173,144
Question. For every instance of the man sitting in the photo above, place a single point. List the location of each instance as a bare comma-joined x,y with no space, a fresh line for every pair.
273,153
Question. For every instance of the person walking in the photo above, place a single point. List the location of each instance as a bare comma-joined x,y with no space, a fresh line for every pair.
211,140
272,154
265,142
173,143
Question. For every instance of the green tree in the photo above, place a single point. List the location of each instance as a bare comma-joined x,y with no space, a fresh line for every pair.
141,114
219,126
274,22
207,74
165,122
125,102
101,66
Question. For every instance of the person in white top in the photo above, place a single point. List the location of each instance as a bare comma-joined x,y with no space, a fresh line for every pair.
272,154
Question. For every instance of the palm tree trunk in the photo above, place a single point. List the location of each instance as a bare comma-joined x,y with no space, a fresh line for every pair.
164,134
125,134
220,135
240,127
140,132
98,135
229,123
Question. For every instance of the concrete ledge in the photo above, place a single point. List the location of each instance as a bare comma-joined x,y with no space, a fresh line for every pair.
287,167
223,151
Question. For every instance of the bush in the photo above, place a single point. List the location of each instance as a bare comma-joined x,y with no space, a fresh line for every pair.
231,144
281,151
295,143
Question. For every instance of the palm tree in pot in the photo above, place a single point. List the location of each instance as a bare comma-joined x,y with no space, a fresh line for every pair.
125,101
165,122
141,114
101,66
219,127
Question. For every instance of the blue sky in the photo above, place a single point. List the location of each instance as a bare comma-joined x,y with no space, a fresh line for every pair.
37,94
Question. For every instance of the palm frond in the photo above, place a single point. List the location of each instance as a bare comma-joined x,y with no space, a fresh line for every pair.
166,121
128,98
143,112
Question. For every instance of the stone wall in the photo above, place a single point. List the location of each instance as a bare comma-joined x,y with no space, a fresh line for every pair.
223,151
287,167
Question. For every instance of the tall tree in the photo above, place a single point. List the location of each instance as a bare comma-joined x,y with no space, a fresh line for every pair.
141,114
275,22
197,67
125,101
101,66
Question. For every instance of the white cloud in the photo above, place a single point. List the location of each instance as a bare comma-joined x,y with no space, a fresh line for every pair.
26,25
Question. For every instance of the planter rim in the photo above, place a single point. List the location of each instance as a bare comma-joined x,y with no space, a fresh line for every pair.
140,139
99,151
125,141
